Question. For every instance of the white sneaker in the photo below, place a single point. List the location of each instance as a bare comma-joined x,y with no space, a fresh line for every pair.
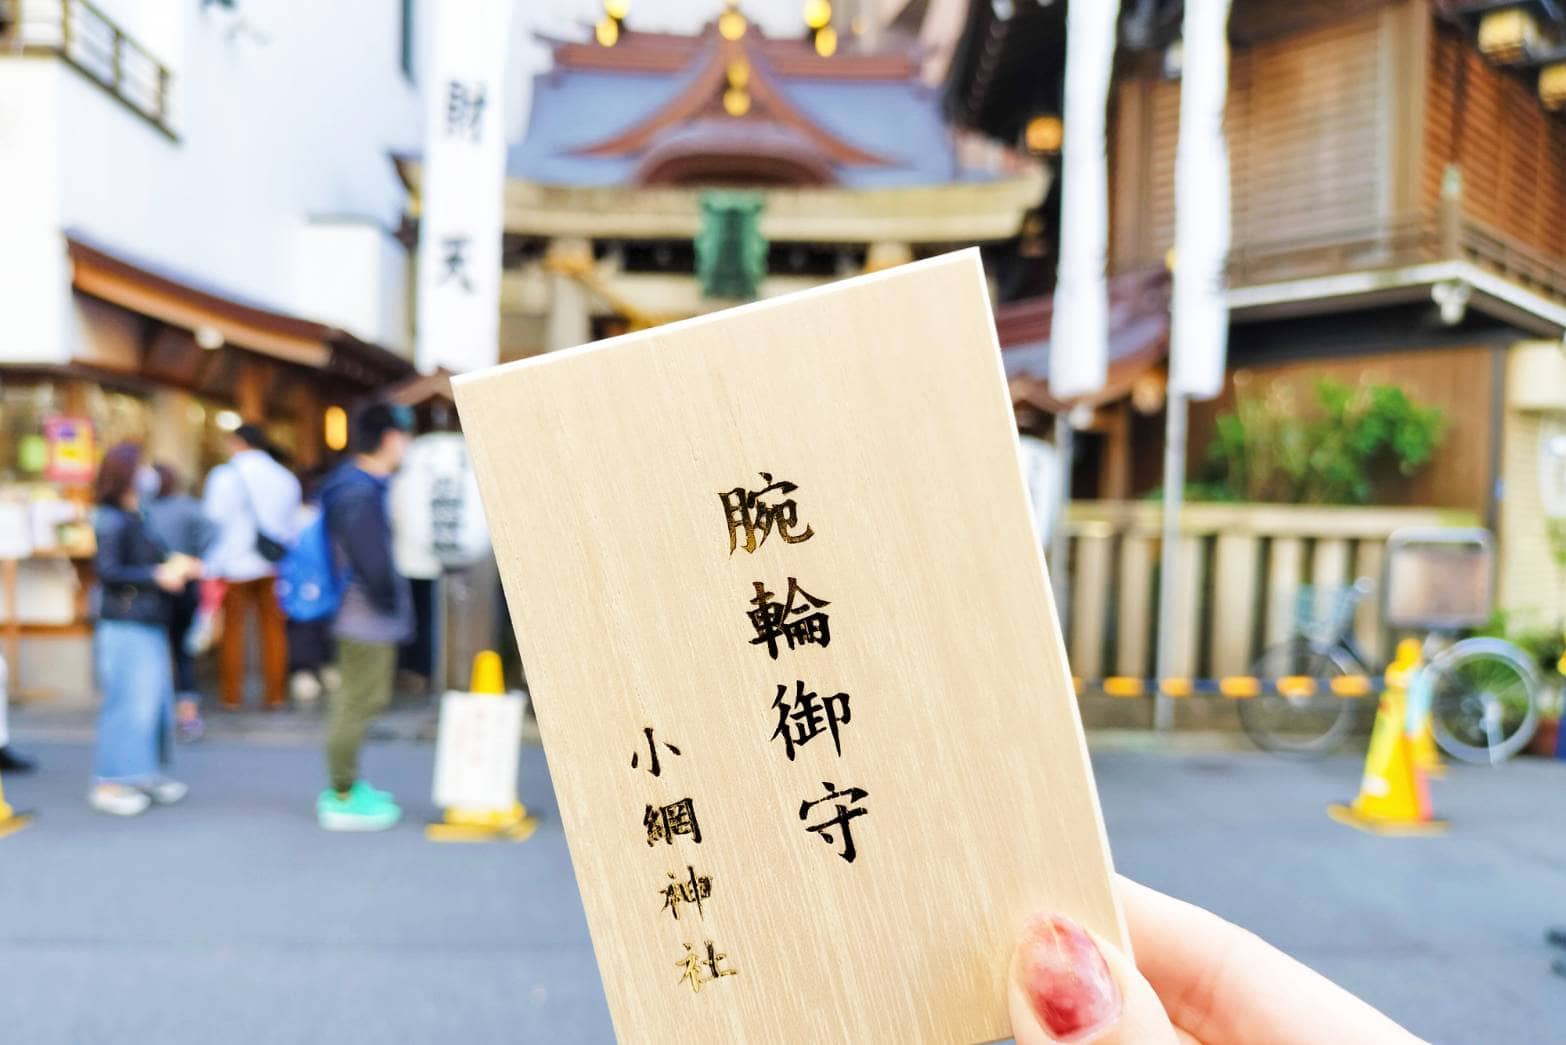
118,800
305,687
165,792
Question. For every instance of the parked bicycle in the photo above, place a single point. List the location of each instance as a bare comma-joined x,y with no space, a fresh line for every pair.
1483,696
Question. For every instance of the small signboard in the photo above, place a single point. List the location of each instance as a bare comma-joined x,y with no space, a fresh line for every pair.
1439,578
477,749
71,460
792,651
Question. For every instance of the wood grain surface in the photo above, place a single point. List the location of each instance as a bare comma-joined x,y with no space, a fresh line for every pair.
603,470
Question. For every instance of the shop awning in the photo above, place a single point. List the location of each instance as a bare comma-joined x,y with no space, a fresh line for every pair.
183,301
423,390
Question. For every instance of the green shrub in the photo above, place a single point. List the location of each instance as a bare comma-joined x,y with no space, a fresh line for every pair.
1267,449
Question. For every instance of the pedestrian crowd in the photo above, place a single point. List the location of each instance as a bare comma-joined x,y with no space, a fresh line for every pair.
177,576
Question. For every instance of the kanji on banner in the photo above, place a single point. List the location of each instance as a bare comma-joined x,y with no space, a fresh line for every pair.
461,187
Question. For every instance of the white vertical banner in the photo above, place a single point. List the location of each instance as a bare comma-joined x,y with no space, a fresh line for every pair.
1078,354
1199,331
462,186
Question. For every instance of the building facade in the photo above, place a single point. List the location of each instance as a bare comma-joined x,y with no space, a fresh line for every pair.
1399,180
1399,189
197,228
1398,206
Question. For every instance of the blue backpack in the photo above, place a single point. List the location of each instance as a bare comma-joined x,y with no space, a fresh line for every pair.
308,587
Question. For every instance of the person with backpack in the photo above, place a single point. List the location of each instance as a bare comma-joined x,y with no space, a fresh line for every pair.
374,614
252,500
309,591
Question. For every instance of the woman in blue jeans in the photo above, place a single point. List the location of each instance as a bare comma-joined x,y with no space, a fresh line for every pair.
138,577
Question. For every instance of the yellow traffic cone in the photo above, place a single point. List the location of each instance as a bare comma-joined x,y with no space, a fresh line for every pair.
1393,798
512,824
11,820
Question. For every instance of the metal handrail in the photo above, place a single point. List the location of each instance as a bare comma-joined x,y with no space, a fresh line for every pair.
92,43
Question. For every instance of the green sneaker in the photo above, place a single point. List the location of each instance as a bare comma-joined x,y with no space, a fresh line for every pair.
363,787
365,809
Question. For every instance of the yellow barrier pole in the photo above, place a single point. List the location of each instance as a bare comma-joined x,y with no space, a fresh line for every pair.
11,820
512,824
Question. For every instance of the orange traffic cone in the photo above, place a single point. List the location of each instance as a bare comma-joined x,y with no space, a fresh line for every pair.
11,820
511,823
1393,796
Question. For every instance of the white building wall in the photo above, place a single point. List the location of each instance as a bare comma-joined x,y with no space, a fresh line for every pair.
157,25
33,266
354,275
283,110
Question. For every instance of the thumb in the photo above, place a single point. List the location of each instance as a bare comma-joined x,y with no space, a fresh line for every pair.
1069,985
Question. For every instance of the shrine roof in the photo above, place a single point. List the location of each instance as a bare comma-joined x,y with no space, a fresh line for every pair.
1138,338
601,116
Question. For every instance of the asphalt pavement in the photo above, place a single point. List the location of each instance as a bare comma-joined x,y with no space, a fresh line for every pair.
232,918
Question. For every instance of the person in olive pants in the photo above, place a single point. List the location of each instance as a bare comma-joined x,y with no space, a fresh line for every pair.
368,669
375,617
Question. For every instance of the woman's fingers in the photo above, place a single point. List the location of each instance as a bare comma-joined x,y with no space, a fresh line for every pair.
1068,985
1225,986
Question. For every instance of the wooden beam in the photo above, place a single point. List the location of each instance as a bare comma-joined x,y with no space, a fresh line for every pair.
250,392
1406,39
1188,619
1115,474
958,212
1285,566
1368,626
309,445
1090,590
1135,604
1234,594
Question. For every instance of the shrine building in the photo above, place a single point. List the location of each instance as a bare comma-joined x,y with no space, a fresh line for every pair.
667,176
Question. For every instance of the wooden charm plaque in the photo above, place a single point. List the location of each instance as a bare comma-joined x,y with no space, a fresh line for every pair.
795,662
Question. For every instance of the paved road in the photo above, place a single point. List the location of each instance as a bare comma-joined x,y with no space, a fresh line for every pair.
233,919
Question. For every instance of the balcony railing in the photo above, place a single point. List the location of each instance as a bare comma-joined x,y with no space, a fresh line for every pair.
1442,233
91,43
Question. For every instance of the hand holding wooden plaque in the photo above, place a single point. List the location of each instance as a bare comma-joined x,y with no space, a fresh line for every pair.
795,662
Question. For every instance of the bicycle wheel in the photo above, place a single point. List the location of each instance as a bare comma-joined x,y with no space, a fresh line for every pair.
1484,700
1299,723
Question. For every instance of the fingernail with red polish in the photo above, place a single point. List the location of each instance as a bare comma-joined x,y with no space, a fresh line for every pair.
1065,978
